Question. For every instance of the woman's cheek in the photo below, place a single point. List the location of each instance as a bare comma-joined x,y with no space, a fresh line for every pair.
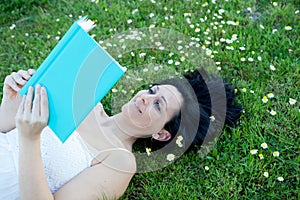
157,119
149,120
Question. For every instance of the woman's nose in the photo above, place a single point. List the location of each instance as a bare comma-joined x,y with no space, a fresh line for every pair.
145,99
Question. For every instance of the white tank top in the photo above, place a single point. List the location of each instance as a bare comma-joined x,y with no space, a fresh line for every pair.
61,161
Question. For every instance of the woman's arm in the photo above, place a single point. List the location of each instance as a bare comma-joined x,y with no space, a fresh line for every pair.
107,180
11,98
31,118
32,180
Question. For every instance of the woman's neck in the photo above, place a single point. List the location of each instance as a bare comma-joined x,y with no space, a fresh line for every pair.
122,130
113,131
101,131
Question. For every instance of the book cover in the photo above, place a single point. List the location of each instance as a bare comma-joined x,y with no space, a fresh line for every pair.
77,74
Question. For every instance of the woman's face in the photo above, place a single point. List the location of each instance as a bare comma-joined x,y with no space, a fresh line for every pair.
151,109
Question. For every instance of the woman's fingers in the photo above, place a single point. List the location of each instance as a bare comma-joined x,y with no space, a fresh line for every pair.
28,103
20,112
16,80
31,71
11,83
40,110
44,105
24,74
36,102
36,107
19,78
33,114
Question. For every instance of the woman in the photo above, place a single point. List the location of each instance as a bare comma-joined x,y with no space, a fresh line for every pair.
96,162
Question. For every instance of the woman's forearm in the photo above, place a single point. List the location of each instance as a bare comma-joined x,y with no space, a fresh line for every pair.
7,117
32,180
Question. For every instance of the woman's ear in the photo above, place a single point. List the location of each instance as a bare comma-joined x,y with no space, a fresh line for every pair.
162,135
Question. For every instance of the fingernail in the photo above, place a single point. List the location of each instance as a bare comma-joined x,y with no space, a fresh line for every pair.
31,71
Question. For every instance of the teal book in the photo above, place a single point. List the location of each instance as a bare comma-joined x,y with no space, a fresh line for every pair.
77,74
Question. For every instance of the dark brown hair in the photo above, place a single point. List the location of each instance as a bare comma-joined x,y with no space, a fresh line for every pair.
194,118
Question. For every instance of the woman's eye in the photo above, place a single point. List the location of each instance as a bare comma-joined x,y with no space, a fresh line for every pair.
157,105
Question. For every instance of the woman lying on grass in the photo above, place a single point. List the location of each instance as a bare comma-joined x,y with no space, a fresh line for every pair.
96,162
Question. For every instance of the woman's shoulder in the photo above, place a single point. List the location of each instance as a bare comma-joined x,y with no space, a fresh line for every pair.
117,158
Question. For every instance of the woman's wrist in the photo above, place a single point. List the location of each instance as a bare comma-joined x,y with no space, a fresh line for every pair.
28,138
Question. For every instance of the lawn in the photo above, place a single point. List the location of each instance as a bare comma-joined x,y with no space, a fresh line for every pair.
254,44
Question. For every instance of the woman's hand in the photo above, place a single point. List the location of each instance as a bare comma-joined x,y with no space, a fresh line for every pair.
11,98
33,114
13,84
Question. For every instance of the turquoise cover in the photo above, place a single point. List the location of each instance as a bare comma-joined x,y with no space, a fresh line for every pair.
77,74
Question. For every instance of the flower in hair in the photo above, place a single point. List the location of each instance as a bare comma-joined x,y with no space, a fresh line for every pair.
148,151
212,118
179,144
179,138
179,141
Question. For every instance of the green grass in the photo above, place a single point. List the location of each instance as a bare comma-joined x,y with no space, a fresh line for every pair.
233,172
